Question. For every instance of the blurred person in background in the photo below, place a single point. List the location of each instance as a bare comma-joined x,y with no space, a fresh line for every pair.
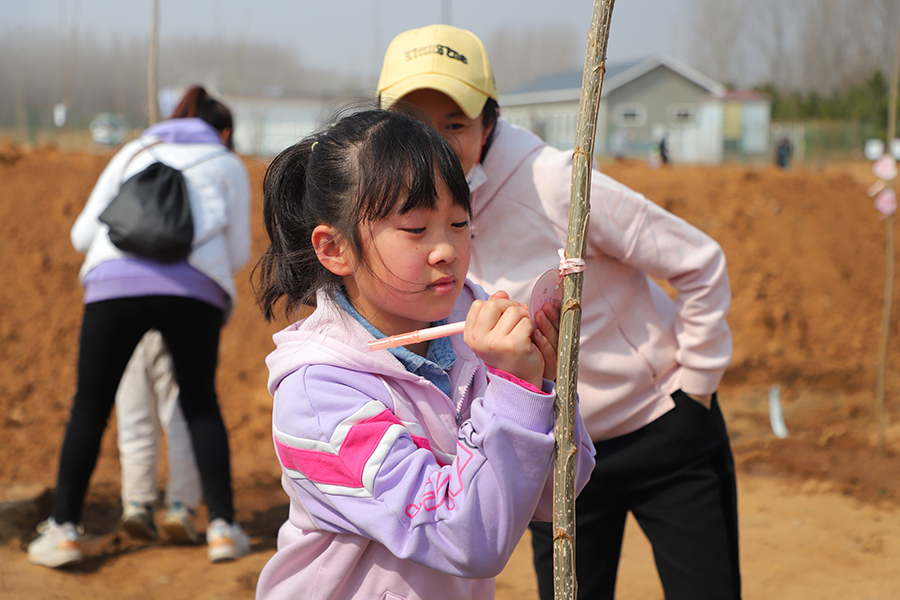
147,404
187,301
783,152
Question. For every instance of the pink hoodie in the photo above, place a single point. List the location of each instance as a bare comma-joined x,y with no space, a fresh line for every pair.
397,491
637,345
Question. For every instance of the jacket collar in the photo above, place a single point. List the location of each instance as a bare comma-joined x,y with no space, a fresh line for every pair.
511,147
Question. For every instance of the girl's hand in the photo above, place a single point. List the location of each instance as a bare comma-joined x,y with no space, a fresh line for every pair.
546,336
499,332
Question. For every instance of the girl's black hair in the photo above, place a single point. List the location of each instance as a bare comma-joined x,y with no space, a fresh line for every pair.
197,103
354,172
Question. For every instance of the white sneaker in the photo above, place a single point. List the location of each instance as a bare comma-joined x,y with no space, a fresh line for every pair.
57,546
137,521
179,526
226,541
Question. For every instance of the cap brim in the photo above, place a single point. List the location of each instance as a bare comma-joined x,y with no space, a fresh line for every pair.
470,100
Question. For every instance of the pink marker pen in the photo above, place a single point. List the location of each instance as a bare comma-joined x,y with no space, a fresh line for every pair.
420,335
546,289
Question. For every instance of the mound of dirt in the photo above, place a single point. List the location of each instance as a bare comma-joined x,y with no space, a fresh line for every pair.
806,256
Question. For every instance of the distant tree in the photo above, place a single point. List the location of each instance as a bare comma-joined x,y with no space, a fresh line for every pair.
519,55
801,45
153,67
111,74
716,32
866,102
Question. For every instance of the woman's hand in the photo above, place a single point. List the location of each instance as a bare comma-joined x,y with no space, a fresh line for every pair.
546,336
499,331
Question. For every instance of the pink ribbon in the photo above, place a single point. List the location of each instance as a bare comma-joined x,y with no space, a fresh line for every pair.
567,266
886,202
885,167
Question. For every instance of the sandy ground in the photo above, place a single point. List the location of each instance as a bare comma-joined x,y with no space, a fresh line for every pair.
819,509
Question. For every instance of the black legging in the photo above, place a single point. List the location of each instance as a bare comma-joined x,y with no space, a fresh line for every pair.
110,332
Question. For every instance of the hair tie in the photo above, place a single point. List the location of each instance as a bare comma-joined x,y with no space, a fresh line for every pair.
313,147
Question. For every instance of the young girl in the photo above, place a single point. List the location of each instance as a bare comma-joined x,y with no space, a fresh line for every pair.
412,472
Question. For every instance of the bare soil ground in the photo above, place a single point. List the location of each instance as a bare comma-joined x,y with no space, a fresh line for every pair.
806,250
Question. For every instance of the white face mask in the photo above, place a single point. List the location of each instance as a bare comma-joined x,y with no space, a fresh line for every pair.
476,177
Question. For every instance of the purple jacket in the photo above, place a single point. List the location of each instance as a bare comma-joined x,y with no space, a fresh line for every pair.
397,491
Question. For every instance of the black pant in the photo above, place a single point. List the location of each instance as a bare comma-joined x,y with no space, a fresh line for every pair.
676,475
110,332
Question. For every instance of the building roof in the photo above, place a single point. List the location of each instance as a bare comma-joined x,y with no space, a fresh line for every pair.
745,96
568,80
560,87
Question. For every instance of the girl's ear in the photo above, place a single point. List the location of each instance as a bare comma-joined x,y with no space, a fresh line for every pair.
330,252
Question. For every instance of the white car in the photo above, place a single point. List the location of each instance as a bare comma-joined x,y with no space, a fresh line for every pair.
108,129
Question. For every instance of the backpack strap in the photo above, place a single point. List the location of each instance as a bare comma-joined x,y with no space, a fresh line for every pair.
205,158
217,152
142,148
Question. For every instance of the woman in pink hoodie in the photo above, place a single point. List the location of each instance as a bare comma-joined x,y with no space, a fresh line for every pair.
649,365
412,472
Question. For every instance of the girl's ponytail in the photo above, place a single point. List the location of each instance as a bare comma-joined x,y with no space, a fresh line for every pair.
197,103
289,267
190,103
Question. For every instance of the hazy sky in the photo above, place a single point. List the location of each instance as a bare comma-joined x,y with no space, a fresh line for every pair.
351,35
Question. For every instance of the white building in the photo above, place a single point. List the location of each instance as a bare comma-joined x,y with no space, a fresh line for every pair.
642,102
264,126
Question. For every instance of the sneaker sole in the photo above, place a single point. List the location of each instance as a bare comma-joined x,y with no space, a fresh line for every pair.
138,530
177,531
59,559
224,552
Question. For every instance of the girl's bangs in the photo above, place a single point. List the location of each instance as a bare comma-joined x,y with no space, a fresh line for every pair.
406,165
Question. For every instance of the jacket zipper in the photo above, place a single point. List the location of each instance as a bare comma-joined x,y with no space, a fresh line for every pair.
463,391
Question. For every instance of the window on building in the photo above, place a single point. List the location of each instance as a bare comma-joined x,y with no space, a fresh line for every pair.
682,114
629,115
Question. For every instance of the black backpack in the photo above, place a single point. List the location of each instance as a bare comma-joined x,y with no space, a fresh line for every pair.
151,214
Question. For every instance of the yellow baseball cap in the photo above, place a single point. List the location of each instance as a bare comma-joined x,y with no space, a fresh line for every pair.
442,58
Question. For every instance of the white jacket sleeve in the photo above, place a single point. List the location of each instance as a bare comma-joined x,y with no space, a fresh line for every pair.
88,224
237,233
